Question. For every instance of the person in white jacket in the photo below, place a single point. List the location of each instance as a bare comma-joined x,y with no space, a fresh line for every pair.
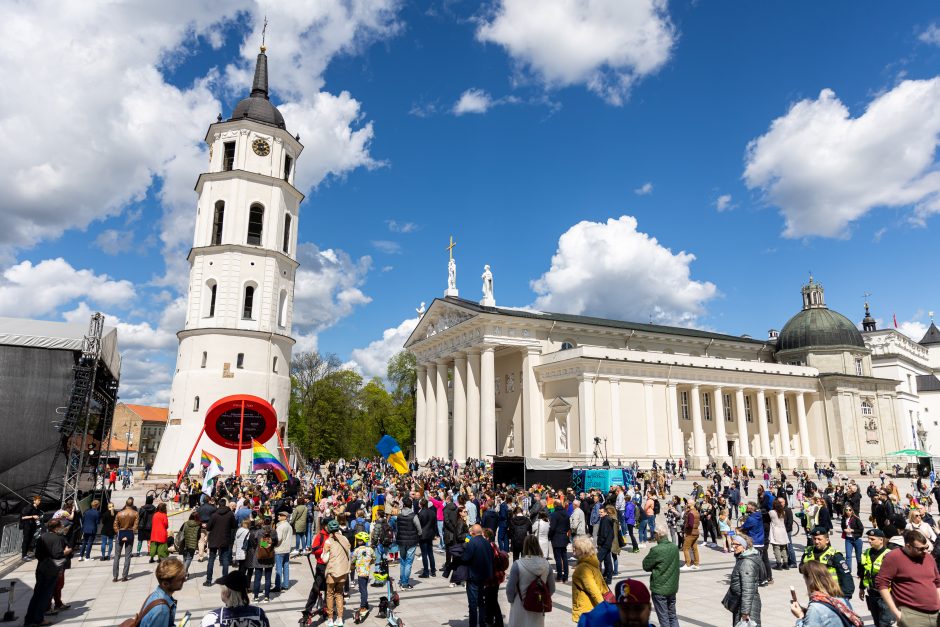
524,571
240,555
540,531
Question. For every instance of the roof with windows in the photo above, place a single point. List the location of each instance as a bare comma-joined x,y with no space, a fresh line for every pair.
148,413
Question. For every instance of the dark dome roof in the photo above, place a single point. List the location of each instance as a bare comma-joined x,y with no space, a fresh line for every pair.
258,109
257,106
819,327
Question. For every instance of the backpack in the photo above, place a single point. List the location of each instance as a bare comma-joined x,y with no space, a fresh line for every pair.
265,550
537,598
386,535
500,561
359,526
655,507
134,622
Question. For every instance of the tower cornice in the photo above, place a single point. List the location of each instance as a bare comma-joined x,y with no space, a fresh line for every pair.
248,176
258,127
228,331
242,248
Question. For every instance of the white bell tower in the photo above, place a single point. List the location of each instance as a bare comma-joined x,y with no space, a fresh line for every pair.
237,336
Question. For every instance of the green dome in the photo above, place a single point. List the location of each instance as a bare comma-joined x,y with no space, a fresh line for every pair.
819,327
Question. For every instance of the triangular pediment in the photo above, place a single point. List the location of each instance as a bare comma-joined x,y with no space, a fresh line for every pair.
559,404
439,317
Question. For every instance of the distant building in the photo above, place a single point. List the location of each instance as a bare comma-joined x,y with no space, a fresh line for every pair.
142,426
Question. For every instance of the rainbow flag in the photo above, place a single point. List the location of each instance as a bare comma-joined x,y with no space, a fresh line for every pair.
389,448
208,458
263,458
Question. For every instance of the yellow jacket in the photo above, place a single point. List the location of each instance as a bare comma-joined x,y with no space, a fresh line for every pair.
587,586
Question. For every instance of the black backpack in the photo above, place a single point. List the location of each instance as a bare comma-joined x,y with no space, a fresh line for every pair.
655,506
386,535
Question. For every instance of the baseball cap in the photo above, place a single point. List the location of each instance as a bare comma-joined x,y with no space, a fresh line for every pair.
875,533
632,592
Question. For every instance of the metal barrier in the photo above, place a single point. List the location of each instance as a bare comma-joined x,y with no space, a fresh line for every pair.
12,539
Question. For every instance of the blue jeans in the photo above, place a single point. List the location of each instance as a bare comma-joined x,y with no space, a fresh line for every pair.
440,533
267,581
107,545
853,545
225,558
407,558
476,603
502,535
282,570
87,542
363,591
300,541
641,530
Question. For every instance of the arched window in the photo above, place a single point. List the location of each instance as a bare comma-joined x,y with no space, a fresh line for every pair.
567,345
867,408
255,224
205,358
213,289
217,220
287,221
248,307
282,309
196,404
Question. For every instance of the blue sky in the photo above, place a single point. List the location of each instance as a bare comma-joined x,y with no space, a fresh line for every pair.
688,162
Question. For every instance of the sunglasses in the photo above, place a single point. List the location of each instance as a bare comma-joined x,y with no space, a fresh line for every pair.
919,549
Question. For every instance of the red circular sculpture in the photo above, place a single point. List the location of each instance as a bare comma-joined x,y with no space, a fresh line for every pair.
224,420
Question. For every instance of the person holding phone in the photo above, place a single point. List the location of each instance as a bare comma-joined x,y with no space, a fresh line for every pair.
826,606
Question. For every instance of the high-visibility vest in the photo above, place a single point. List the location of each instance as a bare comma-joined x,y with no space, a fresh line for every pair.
870,568
825,558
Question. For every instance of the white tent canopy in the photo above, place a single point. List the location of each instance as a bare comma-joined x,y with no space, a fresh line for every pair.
59,336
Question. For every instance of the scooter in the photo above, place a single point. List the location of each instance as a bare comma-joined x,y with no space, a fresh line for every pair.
390,600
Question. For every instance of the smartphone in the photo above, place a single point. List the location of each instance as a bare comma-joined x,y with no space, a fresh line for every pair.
793,594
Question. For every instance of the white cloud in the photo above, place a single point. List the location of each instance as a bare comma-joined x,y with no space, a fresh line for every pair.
825,169
612,270
372,361
644,190
401,227
931,35
473,101
327,287
387,246
114,241
606,45
28,290
913,329
131,335
723,202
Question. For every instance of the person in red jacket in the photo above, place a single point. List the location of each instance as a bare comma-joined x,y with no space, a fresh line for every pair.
159,527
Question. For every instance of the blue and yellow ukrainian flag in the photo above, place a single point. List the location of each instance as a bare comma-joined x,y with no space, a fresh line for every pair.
389,448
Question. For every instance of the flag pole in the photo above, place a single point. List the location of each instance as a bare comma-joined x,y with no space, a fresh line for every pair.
280,443
189,459
241,432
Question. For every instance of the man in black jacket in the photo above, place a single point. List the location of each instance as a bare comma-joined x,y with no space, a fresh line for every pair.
451,516
559,526
478,556
428,519
407,534
605,542
144,522
221,530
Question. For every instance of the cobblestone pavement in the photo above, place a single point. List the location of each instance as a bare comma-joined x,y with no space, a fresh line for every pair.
96,600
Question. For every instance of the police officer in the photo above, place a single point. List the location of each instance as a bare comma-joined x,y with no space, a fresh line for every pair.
871,564
834,561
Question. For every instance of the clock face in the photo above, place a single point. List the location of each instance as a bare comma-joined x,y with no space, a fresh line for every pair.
261,147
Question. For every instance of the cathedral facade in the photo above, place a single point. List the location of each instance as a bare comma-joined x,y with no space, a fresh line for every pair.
505,381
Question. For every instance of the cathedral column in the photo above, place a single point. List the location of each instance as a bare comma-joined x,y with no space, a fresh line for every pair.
744,446
806,460
460,407
650,418
615,419
699,454
473,403
487,402
677,446
533,419
430,403
421,436
586,413
721,448
784,429
763,427
442,439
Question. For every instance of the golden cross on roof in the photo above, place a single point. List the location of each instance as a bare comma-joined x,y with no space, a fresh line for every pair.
450,249
264,31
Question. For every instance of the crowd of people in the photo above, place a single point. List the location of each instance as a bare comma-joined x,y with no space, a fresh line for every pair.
349,520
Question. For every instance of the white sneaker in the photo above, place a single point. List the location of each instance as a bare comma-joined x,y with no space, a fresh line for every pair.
694,567
330,623
81,559
686,567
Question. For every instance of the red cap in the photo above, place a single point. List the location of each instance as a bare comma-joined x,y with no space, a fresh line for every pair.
632,592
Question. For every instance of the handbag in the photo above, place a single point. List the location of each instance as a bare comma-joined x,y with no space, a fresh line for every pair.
730,602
